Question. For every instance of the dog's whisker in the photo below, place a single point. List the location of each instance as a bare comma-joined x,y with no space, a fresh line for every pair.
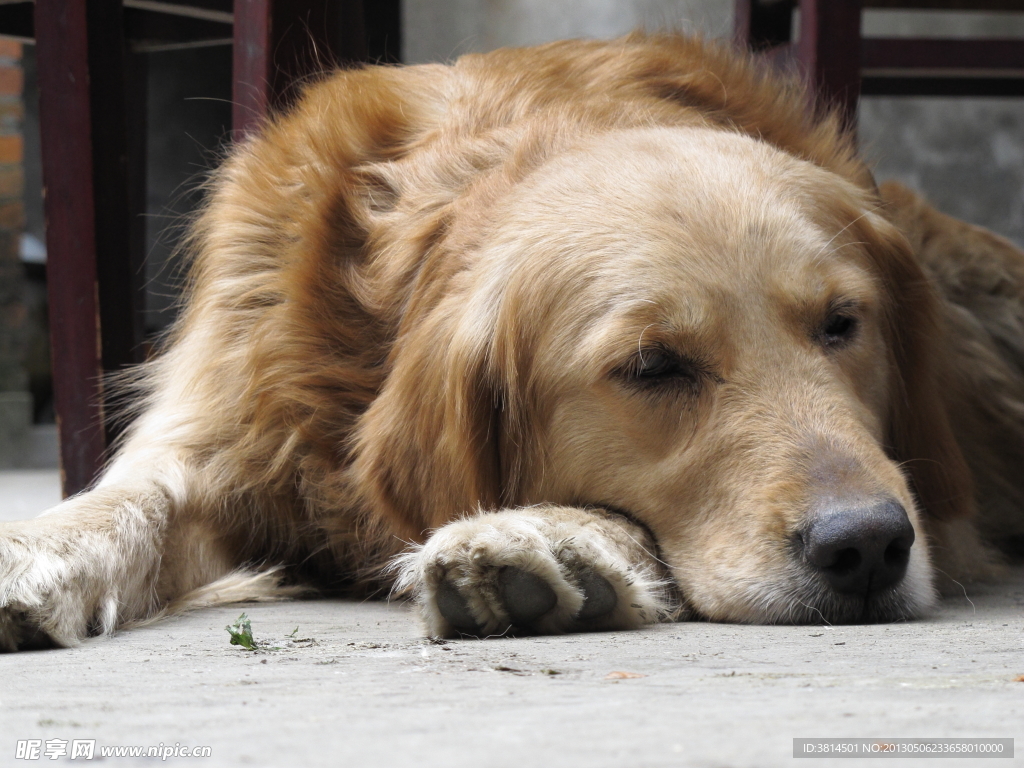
962,587
850,224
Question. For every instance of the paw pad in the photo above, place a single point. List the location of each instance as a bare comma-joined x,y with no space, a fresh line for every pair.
455,609
525,595
600,598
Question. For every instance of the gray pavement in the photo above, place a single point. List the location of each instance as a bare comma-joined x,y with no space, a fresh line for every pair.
357,686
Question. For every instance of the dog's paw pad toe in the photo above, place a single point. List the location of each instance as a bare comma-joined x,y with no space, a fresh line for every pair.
526,596
600,597
455,609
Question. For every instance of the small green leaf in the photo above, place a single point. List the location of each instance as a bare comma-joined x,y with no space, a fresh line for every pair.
241,633
294,632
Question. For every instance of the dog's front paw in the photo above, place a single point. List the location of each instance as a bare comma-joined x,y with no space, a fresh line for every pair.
47,597
536,570
64,576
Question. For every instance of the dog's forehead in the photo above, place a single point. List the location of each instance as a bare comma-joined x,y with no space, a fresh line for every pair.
686,217
668,192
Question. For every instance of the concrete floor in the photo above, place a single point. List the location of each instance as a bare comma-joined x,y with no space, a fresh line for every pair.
357,686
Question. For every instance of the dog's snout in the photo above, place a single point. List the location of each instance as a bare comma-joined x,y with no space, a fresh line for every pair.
860,549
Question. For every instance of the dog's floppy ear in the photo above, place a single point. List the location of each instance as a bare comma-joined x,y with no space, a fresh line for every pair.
427,449
921,437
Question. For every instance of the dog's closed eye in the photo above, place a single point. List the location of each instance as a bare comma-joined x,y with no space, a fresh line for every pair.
657,369
840,327
655,364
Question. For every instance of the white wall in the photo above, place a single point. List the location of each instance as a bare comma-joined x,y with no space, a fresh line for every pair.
437,30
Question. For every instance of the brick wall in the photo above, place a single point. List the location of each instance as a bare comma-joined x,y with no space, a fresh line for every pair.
15,401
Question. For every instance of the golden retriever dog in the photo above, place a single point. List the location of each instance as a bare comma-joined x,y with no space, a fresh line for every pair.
576,337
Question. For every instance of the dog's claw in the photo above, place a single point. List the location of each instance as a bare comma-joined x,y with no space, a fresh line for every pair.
600,598
525,595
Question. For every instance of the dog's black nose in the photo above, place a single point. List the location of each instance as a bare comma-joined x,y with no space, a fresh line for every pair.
860,549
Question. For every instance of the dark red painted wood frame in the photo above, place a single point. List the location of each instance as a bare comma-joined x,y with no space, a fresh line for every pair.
92,277
279,44
840,65
92,123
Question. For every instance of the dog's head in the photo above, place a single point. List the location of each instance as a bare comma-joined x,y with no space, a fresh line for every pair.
728,344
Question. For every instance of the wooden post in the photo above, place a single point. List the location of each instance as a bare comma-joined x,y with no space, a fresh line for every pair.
759,26
279,44
829,53
91,275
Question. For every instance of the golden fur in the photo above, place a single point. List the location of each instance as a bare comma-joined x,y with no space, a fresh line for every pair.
430,299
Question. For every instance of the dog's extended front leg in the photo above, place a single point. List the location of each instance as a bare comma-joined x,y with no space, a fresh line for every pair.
99,560
544,569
